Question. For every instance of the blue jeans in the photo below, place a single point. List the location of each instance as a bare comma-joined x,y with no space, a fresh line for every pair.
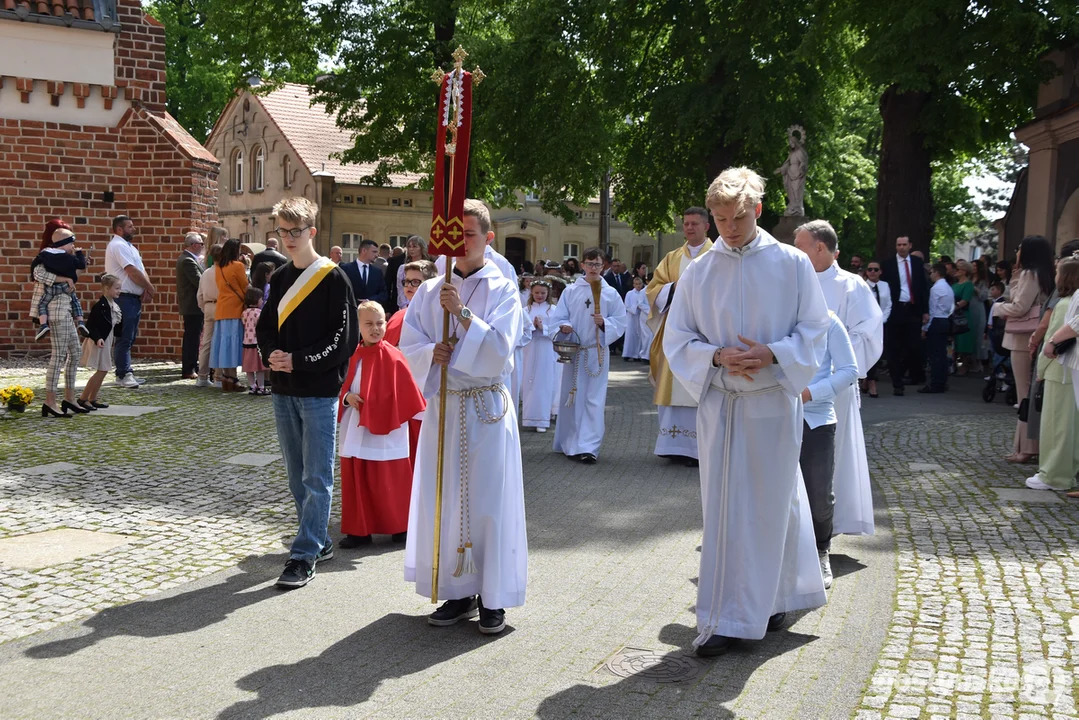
131,307
307,432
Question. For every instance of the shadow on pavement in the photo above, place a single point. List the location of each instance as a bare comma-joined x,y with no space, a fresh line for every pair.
182,613
725,677
843,565
348,672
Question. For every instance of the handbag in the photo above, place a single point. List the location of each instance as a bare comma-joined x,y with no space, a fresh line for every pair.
1024,409
1025,324
959,322
1039,395
1064,346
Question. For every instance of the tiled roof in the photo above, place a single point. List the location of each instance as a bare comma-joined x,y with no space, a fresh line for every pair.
80,9
183,140
315,136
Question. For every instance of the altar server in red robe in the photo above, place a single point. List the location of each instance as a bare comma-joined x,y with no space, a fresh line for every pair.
377,400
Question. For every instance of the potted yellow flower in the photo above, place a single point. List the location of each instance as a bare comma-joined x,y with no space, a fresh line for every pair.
16,397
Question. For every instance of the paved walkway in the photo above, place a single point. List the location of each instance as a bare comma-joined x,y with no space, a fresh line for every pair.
182,619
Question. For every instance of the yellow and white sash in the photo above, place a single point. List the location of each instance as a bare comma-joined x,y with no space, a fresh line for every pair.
304,285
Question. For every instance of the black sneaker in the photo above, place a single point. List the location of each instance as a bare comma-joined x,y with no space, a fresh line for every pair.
42,332
776,621
351,542
453,611
588,459
326,553
399,537
492,622
715,646
297,574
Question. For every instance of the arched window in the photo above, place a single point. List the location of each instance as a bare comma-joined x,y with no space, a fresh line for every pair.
287,165
238,171
258,179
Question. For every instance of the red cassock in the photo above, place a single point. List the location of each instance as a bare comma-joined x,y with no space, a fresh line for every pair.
375,493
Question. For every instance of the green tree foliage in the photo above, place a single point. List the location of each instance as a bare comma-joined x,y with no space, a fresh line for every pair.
956,77
214,46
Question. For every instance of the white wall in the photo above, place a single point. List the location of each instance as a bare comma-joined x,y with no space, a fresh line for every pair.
49,52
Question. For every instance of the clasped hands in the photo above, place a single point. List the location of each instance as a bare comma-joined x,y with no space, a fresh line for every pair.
744,363
281,361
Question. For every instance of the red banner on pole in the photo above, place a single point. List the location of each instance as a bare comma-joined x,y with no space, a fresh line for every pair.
451,163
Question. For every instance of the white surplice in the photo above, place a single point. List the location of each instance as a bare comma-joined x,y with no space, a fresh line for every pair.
638,334
537,370
517,376
758,555
851,298
580,420
356,441
495,521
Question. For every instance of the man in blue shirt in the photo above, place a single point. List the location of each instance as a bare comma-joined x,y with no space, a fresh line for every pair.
838,371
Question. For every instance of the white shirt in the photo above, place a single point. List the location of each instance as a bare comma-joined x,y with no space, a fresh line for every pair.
941,301
120,255
904,286
838,371
884,297
356,441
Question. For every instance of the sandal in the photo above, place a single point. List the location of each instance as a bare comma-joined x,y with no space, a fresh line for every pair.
1020,458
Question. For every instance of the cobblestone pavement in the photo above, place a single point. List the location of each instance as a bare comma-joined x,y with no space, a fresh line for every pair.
986,621
966,612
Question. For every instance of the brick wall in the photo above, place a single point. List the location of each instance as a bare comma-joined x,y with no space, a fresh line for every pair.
159,175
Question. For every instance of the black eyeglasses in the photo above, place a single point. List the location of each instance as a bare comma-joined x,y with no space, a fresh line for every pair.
295,232
412,283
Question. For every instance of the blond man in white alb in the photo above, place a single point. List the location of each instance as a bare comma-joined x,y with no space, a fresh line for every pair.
745,334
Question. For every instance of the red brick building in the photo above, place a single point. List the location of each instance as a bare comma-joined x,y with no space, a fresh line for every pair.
84,136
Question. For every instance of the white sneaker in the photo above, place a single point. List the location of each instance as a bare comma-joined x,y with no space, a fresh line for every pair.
216,384
202,382
1035,483
541,430
127,381
825,569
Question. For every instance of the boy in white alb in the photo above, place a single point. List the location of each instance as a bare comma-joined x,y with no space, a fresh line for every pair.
580,428
483,558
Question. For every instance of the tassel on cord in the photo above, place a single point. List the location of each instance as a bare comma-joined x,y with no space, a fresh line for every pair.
470,567
704,636
569,400
460,569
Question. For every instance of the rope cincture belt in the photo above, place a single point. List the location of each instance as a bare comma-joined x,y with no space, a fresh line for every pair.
465,565
721,557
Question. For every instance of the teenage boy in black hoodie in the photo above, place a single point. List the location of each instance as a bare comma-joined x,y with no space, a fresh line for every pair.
307,332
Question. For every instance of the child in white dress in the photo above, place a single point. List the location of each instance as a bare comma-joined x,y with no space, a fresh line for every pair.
538,371
638,335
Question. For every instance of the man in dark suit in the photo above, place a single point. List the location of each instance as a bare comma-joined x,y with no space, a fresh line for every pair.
188,271
366,278
618,278
270,255
397,259
905,275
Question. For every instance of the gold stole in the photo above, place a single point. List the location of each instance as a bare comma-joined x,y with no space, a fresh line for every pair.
304,285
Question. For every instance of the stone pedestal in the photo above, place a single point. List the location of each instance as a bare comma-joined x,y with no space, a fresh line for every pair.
784,231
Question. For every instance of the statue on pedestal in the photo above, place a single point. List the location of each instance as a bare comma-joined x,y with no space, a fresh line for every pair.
794,171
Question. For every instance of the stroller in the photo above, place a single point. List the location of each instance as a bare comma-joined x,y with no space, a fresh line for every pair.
1000,378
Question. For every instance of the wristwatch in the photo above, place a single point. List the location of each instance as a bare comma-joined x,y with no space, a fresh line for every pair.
465,314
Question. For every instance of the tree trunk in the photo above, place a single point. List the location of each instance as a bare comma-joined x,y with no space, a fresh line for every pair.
904,195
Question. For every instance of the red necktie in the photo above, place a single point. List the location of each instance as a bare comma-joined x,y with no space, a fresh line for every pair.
910,285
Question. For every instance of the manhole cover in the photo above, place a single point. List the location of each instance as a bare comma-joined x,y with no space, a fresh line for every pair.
653,666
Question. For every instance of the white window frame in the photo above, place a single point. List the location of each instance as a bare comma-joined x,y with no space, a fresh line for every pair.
238,171
350,246
571,250
408,202
287,164
258,182
395,202
398,240
361,199
348,199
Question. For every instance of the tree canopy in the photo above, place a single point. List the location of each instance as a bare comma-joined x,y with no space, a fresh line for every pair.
898,100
